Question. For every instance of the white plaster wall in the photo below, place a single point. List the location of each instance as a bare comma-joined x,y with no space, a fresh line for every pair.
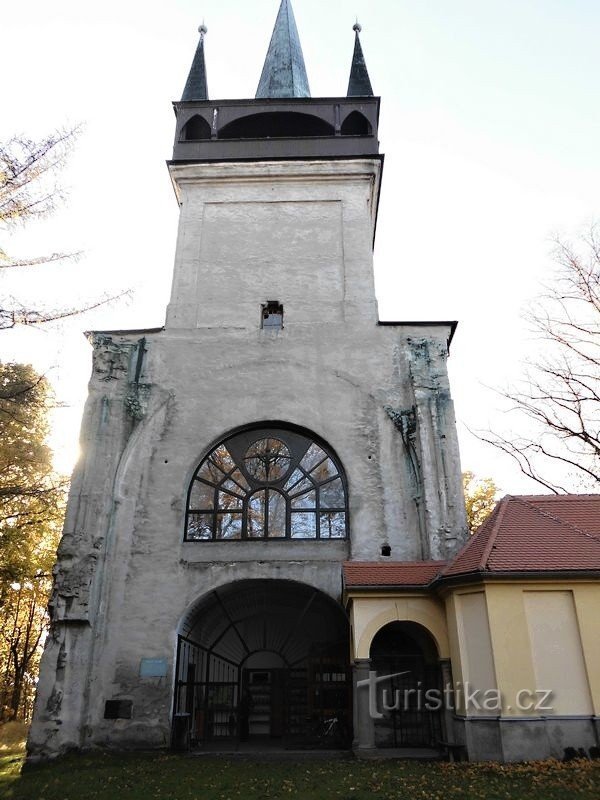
297,232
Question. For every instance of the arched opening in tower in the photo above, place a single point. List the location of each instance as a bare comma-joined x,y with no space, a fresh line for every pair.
264,663
411,697
277,125
195,129
356,124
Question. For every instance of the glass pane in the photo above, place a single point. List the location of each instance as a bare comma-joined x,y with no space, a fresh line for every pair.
303,486
314,454
256,515
228,502
239,478
297,476
209,472
308,500
229,526
333,526
332,495
276,515
222,459
267,460
231,486
200,527
304,525
202,496
324,471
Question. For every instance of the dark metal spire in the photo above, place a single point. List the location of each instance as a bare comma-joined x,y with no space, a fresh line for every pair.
360,83
196,87
284,72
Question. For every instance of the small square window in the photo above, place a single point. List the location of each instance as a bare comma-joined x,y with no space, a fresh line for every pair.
272,316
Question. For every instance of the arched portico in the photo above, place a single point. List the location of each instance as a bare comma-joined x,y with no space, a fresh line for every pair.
264,662
405,637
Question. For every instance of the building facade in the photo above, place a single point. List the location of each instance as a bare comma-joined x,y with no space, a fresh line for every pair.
235,459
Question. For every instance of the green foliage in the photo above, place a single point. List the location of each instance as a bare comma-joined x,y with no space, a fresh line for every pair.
480,499
32,499
171,777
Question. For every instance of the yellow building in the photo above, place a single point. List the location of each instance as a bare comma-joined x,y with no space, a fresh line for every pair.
495,653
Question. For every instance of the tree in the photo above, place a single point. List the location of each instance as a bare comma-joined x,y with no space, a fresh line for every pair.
32,501
29,191
480,499
557,405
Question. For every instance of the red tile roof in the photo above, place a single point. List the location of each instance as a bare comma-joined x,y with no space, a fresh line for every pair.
541,533
531,534
391,573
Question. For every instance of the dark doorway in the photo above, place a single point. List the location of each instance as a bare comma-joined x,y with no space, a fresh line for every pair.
410,698
265,664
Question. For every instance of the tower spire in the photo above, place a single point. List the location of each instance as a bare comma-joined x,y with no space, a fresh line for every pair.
284,72
360,83
196,87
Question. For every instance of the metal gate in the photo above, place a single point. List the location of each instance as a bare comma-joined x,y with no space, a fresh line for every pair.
220,703
410,707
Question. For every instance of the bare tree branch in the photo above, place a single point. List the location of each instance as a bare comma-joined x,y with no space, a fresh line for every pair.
557,404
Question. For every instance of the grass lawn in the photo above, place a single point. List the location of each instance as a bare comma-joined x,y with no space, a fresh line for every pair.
174,777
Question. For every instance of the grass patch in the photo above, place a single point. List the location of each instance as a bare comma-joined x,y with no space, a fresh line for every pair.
173,777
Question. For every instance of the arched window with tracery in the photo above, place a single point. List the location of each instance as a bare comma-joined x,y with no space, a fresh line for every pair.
271,484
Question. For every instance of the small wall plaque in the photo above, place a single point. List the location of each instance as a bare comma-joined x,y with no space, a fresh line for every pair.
153,668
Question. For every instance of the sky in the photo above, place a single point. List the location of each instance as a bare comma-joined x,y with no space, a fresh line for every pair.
490,125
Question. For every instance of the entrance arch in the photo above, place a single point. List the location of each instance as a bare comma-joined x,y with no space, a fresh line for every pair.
411,700
265,662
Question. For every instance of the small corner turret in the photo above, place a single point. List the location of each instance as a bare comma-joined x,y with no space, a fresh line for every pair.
196,88
359,84
283,121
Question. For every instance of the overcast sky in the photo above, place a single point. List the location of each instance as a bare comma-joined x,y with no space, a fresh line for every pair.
490,125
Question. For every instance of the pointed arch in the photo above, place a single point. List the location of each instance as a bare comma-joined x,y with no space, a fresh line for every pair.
195,129
356,124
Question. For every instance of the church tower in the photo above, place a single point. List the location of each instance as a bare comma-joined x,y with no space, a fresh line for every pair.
233,460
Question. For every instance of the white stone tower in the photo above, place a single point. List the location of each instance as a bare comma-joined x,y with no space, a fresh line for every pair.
234,459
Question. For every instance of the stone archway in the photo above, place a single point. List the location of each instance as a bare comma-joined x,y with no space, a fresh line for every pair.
264,663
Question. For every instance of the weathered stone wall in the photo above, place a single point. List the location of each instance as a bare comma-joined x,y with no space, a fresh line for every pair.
158,403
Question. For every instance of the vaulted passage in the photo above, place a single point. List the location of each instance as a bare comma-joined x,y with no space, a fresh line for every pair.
263,664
